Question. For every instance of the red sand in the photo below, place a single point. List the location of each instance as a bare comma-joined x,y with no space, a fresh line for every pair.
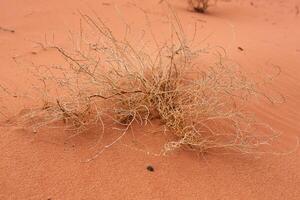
47,166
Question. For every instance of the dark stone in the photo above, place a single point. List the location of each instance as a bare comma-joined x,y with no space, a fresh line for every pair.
150,168
240,48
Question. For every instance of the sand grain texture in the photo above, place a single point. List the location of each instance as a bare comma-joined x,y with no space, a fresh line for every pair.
48,166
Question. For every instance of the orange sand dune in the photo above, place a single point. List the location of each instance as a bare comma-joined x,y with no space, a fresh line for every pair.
47,165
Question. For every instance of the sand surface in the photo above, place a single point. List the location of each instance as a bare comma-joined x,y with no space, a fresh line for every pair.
47,165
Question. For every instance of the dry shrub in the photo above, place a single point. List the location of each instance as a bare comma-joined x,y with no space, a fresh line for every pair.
110,78
199,5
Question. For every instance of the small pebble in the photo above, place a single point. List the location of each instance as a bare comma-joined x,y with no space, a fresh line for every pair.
150,168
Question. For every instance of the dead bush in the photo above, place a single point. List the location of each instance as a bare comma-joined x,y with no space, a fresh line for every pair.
110,78
199,5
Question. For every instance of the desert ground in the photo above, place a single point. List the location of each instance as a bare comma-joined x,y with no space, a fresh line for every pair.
48,164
